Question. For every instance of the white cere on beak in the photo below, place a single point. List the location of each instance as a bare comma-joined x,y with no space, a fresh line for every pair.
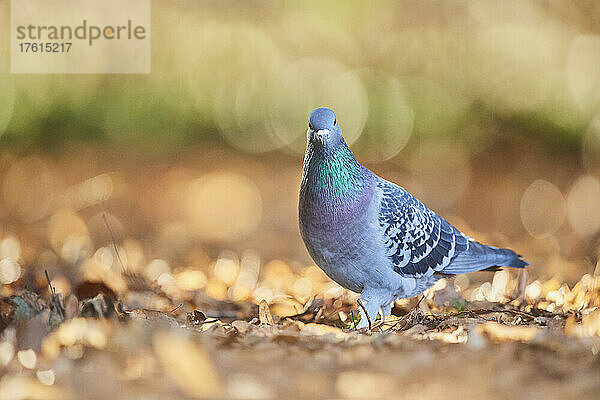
318,136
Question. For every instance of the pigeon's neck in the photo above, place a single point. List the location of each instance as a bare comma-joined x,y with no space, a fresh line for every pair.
333,172
334,184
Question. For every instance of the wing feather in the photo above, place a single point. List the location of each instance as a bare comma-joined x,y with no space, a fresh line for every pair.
418,241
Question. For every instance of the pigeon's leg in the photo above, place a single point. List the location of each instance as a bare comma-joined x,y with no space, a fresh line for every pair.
386,309
371,303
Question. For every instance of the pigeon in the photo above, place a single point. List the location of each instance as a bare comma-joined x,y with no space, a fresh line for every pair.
373,237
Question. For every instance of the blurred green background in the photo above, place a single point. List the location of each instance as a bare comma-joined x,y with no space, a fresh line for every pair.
395,71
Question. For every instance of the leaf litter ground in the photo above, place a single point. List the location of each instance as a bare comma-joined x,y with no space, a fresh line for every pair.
137,304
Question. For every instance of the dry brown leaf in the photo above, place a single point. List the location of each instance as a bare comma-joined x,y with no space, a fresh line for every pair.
285,308
241,326
500,332
24,387
83,331
153,317
187,364
458,335
589,326
210,324
415,330
320,329
264,313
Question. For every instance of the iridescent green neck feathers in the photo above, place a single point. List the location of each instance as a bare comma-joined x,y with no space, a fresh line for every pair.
333,173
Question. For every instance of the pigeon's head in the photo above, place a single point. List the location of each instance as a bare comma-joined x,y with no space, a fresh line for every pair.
323,129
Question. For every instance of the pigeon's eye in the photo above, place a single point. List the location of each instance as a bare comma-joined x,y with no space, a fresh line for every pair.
310,125
334,122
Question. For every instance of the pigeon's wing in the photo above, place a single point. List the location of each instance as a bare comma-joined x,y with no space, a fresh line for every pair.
418,241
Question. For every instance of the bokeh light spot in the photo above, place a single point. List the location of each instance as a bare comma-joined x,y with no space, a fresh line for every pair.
7,352
68,235
29,187
226,270
10,270
223,204
583,74
46,377
240,107
516,55
10,247
543,209
156,268
191,279
316,82
390,122
583,206
27,358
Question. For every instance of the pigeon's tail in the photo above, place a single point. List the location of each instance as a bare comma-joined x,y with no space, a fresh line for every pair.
480,257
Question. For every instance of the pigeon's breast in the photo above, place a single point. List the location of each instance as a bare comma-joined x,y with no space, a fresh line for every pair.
347,246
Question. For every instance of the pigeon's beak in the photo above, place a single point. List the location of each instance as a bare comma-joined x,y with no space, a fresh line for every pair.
319,136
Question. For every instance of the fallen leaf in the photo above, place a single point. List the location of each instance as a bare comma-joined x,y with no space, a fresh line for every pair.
78,331
23,387
264,314
500,332
187,365
459,335
153,318
241,326
415,331
7,352
195,317
320,330
589,326
100,306
27,358
46,377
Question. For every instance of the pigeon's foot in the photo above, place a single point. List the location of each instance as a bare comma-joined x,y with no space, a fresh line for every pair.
365,319
369,305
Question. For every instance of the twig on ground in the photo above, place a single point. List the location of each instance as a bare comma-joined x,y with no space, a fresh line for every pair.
379,324
113,240
52,289
359,301
319,314
56,303
406,317
176,308
419,302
